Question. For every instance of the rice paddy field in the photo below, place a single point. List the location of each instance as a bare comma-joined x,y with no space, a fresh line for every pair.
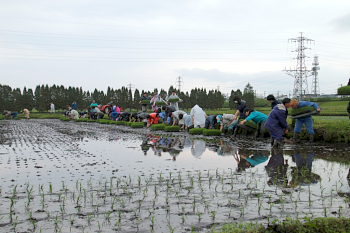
71,176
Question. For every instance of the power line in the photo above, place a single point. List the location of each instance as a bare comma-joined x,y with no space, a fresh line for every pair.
179,82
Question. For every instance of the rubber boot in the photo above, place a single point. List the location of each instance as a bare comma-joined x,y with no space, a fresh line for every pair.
272,141
312,137
225,131
277,143
296,137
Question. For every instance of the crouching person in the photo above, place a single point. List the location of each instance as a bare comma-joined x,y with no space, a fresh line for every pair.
304,120
276,122
74,114
257,117
152,119
210,122
227,122
177,117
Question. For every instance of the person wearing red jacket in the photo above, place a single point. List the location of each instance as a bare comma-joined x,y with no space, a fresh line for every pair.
152,119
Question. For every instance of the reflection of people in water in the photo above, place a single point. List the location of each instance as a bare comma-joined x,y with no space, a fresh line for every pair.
197,148
276,168
301,174
245,162
226,148
145,146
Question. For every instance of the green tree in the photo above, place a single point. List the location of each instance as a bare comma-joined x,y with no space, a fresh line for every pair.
248,96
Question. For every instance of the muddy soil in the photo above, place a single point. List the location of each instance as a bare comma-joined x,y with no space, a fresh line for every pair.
88,177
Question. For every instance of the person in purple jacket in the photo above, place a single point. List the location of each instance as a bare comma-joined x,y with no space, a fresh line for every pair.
276,122
304,120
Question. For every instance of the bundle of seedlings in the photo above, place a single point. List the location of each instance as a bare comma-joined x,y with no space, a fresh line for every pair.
128,123
174,100
145,101
103,121
158,126
303,110
344,90
196,130
62,118
172,128
137,125
160,103
211,132
249,124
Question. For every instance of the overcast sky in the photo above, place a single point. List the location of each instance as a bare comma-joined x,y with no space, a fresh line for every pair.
210,44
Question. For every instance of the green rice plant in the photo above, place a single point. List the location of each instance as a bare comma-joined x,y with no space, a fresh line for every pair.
250,124
344,90
137,125
158,126
119,122
160,103
128,123
211,132
174,100
172,129
145,101
62,118
103,121
195,131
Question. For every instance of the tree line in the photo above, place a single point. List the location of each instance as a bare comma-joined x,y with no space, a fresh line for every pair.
40,99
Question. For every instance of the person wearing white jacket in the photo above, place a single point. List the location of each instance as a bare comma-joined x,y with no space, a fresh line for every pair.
198,117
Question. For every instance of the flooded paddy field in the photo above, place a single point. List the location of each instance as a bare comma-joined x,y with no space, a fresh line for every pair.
86,177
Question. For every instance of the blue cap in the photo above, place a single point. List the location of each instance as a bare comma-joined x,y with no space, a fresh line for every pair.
218,118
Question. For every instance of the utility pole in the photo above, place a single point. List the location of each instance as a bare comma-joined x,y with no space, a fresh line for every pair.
300,73
179,82
264,94
315,80
278,94
130,86
218,88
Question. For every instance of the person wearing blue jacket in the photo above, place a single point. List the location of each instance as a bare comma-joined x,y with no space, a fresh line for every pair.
74,105
304,120
210,121
276,122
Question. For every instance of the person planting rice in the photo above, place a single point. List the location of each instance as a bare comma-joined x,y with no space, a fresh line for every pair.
257,117
187,122
307,120
124,116
74,114
143,106
26,113
174,104
198,117
272,101
210,122
142,116
177,116
276,122
152,119
133,117
168,110
9,114
240,106
227,122
93,104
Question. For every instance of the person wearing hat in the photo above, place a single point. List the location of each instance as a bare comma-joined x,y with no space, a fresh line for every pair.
210,121
143,106
227,122
174,96
276,122
257,117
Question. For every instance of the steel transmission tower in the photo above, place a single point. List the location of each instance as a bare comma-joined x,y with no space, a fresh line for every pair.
179,82
315,80
300,72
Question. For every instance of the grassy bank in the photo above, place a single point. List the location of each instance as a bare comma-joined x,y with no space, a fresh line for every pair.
289,225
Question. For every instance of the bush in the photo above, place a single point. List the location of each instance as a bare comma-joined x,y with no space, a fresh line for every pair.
174,100
295,112
211,132
145,102
137,125
158,126
172,128
344,90
196,130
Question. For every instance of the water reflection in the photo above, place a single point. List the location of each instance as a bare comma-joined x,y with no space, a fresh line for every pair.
276,168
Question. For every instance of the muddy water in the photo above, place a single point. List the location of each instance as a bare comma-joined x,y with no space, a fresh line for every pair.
85,177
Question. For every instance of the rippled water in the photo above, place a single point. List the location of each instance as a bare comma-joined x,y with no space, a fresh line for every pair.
87,177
